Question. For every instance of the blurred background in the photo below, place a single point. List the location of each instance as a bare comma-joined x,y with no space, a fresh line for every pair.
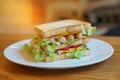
20,16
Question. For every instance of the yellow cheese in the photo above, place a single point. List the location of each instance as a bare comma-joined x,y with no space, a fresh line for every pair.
68,33
63,34
72,50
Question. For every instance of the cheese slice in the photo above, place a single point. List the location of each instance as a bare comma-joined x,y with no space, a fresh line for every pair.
68,33
72,50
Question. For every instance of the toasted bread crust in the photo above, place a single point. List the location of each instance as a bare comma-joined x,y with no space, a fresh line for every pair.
58,27
63,57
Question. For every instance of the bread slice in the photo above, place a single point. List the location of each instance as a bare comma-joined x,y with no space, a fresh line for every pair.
58,27
78,42
63,57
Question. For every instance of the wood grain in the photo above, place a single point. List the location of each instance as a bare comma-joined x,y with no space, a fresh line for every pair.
107,70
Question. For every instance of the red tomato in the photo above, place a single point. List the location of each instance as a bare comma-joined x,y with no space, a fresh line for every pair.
67,48
75,46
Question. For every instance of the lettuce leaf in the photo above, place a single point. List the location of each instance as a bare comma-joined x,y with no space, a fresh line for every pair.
70,41
70,54
51,50
27,48
43,42
54,43
77,53
90,31
35,47
39,56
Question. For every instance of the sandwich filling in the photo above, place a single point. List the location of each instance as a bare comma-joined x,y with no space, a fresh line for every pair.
73,44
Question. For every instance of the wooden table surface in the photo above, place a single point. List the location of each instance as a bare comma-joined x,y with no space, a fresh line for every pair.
106,70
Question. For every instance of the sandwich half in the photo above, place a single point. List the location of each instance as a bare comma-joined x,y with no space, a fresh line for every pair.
65,39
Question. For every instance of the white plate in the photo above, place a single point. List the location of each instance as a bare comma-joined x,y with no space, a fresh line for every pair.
100,51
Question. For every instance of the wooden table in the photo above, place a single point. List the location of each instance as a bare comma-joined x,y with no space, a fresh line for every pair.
107,70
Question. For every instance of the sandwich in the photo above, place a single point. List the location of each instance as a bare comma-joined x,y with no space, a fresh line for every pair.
60,40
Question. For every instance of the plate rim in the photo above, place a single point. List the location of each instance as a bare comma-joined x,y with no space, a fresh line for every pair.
61,67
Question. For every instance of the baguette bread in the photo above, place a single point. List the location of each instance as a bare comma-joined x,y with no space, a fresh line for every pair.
58,27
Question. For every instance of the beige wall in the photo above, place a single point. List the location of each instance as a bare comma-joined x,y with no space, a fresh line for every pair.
20,16
15,16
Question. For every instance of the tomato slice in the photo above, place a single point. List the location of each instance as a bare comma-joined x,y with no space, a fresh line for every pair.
67,48
75,46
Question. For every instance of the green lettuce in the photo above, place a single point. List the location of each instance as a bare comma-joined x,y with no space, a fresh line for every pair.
70,41
27,48
43,42
35,49
54,43
50,48
77,53
39,56
90,31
